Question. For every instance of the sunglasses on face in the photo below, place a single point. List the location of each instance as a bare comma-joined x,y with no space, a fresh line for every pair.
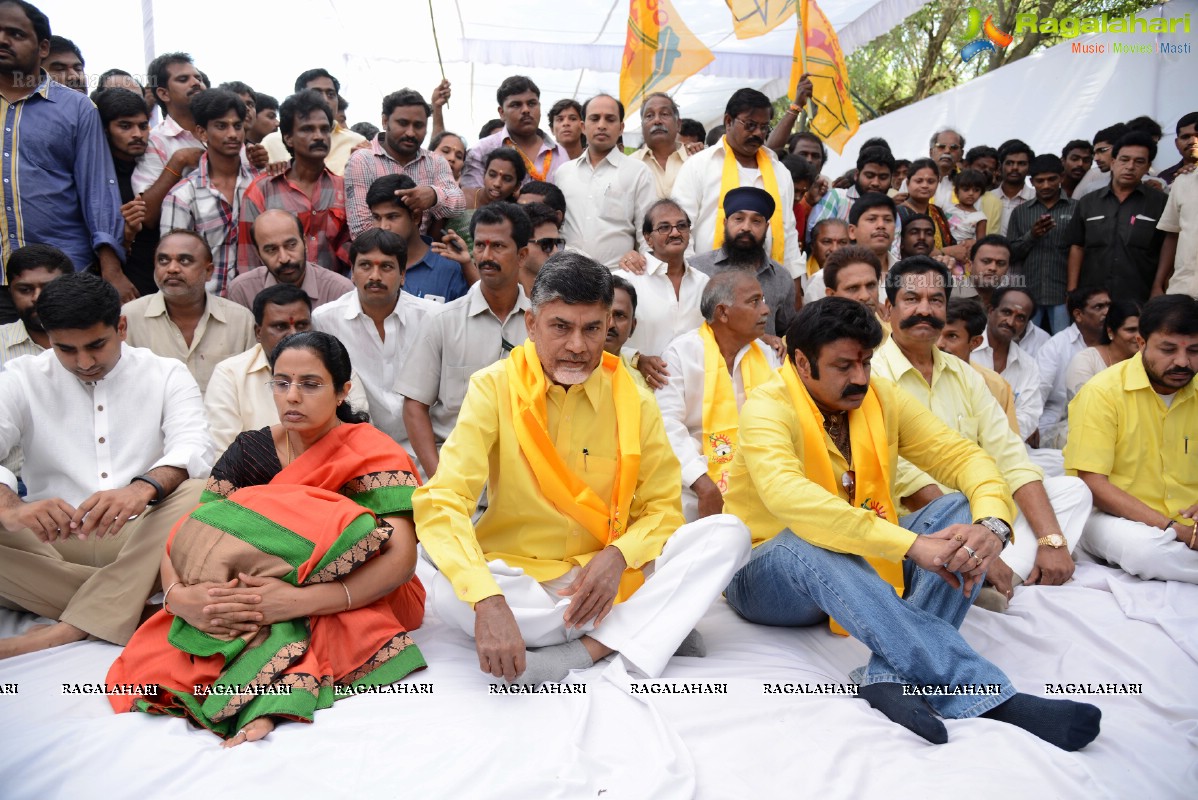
549,245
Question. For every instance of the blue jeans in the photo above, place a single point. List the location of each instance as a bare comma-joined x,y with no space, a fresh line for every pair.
791,582
1053,319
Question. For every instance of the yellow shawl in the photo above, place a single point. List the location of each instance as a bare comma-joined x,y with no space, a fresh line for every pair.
867,437
731,180
721,417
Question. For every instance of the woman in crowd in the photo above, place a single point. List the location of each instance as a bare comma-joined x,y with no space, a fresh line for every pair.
453,148
922,179
1120,341
503,172
293,583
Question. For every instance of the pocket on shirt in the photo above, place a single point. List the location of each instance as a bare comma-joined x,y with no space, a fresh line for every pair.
1098,232
614,206
968,427
599,473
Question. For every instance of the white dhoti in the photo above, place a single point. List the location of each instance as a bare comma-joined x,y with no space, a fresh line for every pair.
1071,502
695,565
1142,550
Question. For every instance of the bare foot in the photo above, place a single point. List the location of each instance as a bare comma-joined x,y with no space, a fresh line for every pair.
40,637
252,732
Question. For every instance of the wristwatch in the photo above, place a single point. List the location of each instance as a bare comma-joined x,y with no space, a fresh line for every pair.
1053,540
635,361
996,526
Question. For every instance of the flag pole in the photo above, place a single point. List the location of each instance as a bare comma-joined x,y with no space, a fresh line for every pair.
437,42
809,108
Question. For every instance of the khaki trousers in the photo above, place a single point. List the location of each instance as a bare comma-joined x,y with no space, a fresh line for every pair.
98,585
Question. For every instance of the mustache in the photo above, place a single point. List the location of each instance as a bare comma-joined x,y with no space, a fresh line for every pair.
1181,371
854,390
916,319
375,285
490,265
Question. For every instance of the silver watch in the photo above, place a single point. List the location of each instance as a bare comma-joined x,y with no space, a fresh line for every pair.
996,526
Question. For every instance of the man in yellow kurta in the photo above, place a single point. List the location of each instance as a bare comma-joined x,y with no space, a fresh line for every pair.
1131,432
584,504
813,478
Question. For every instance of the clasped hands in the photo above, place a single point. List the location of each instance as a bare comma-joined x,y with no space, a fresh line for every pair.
966,549
102,514
239,606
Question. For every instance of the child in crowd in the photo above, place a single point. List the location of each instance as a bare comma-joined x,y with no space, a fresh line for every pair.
965,221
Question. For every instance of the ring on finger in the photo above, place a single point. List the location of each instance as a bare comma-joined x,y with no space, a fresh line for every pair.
972,553
978,559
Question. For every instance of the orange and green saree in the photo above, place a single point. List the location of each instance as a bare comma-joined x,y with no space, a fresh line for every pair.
316,520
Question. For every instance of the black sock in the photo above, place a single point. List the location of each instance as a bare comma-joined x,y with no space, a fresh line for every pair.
910,711
1067,724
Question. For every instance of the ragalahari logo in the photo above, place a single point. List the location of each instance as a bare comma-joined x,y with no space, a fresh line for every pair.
983,36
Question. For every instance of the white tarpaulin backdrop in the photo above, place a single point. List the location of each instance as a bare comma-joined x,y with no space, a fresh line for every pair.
1051,97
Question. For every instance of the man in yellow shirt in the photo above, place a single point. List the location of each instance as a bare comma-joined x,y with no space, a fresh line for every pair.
1131,432
584,504
1052,512
813,478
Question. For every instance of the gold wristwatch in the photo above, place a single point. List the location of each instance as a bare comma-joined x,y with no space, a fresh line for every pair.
1053,540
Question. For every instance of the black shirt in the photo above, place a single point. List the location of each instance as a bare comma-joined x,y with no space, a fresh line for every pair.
1121,240
139,261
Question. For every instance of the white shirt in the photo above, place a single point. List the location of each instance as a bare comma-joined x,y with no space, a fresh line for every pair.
238,398
697,190
1034,337
1024,377
660,314
1181,217
1009,204
376,360
1094,179
816,289
80,438
606,204
1052,360
455,341
681,400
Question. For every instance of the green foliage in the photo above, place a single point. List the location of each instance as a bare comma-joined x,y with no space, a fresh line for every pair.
921,58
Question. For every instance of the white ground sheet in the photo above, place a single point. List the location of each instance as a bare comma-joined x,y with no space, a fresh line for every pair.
463,742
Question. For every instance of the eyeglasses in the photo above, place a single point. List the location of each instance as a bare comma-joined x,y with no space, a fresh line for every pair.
665,227
283,386
549,245
751,127
944,147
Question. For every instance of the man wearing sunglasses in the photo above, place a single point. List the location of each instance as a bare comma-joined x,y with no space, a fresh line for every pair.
740,159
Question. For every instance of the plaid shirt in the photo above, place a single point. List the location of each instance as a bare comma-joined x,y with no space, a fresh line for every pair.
326,233
195,204
426,169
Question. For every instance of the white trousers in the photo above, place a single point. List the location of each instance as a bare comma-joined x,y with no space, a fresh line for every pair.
1071,501
1051,460
1142,550
695,565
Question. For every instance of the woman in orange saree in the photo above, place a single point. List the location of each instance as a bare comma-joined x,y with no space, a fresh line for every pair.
293,584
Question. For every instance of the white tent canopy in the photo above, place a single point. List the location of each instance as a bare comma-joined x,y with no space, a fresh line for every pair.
568,50
1050,98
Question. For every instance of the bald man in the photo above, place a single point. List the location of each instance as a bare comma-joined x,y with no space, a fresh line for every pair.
279,240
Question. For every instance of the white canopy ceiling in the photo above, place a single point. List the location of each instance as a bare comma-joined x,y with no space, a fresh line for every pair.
570,50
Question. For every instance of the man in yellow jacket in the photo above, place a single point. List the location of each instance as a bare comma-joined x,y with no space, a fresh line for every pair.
585,504
813,479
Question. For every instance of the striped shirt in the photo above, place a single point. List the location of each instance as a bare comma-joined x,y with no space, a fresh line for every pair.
15,342
164,141
426,169
57,177
326,234
195,204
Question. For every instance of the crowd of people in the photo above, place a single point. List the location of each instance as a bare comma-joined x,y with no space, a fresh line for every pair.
256,364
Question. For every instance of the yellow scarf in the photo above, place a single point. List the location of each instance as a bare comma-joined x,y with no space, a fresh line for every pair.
867,437
731,180
721,417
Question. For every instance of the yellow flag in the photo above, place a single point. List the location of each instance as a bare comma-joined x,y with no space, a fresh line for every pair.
660,52
817,52
754,17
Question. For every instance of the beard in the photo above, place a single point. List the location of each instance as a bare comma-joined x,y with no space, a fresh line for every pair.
33,322
744,251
